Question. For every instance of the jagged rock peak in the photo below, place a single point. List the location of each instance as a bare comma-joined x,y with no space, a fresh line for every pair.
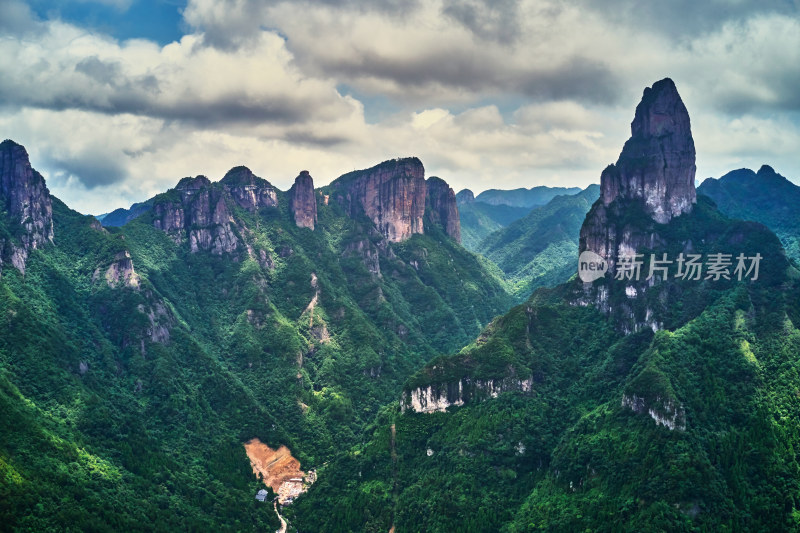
657,163
25,198
766,170
199,215
442,207
465,196
391,194
248,190
193,184
303,201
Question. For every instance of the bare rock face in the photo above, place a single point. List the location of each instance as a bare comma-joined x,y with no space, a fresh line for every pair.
442,207
26,200
248,190
120,273
303,201
391,194
657,163
196,211
654,174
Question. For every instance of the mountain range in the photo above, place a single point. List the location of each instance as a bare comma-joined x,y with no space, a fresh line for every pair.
429,386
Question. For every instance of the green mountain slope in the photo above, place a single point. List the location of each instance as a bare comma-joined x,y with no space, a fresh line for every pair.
478,220
765,197
532,197
657,403
539,249
570,453
134,363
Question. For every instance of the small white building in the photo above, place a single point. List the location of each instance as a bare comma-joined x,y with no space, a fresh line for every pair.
262,495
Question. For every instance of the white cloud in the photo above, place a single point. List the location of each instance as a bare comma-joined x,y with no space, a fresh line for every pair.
114,122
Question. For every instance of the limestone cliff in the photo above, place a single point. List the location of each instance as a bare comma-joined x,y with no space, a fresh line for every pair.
391,194
26,201
195,211
442,208
303,201
438,397
248,190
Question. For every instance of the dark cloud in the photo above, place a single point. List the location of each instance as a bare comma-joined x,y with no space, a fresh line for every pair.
493,20
681,19
94,169
576,78
243,19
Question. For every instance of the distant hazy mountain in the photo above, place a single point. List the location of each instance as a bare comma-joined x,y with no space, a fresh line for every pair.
495,209
524,197
120,217
478,220
765,197
540,248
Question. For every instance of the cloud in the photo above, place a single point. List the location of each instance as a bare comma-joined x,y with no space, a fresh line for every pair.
16,18
67,68
488,94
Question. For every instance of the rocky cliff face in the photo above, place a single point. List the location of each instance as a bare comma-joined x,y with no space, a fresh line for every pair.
654,174
437,398
657,163
26,200
303,202
391,194
120,273
197,212
248,190
442,207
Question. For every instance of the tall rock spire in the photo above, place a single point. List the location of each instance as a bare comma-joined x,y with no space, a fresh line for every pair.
654,173
302,201
657,163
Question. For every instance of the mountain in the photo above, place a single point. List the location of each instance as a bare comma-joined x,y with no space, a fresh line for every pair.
478,220
765,197
539,249
523,197
662,403
120,217
495,209
136,361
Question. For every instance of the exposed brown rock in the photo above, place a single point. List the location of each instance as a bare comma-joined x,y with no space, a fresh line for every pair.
248,190
120,272
26,200
198,214
303,201
442,207
391,194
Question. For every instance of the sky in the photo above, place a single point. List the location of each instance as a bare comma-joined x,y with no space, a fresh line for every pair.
116,100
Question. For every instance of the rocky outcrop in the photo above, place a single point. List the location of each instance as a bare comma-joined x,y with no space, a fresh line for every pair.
442,208
303,202
391,194
665,412
465,196
120,273
248,190
195,211
26,201
438,397
654,175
